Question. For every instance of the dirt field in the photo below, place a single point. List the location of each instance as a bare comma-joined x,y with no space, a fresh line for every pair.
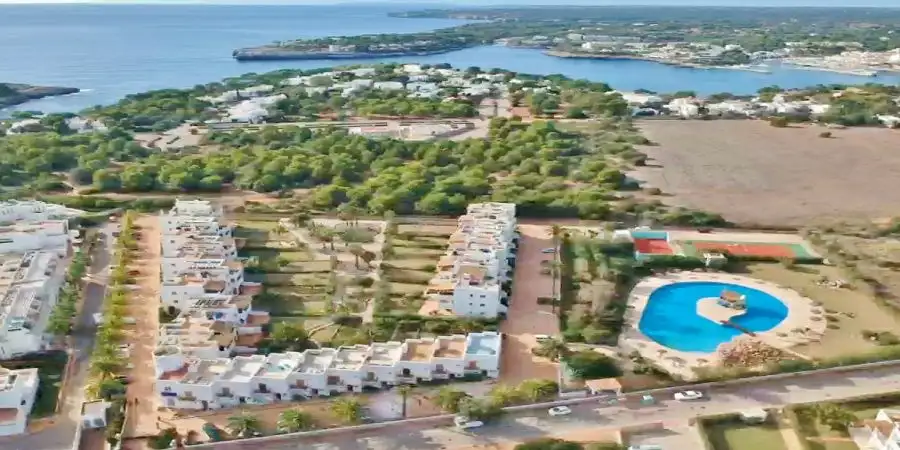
749,171
145,309
849,312
525,317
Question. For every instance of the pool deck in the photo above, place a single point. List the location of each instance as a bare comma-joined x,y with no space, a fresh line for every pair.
801,311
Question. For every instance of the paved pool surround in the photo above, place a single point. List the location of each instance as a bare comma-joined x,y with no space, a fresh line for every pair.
767,320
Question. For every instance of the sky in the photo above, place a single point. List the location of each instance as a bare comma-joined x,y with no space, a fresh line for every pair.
467,3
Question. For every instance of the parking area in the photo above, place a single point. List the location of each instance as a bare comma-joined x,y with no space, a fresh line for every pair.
144,308
526,318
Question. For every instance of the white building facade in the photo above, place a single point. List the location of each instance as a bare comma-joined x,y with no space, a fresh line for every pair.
18,389
189,382
471,275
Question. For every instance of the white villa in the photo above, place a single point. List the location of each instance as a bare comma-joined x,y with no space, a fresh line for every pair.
188,382
18,389
883,433
470,275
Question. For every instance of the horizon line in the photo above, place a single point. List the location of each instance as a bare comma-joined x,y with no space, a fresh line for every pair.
448,4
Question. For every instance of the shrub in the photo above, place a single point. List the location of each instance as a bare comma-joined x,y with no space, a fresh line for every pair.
825,134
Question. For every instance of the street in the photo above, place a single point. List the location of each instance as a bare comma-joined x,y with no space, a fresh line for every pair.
592,415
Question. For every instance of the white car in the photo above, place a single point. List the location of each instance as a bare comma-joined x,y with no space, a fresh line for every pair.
542,337
560,411
688,395
464,423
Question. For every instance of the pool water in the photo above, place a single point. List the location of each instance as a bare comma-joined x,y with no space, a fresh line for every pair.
671,318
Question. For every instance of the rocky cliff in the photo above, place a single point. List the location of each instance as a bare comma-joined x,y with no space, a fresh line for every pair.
14,94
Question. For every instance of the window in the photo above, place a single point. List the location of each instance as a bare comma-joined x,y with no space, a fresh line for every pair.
482,305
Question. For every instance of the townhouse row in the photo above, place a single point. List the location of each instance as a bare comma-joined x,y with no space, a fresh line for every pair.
205,358
472,275
188,382
35,249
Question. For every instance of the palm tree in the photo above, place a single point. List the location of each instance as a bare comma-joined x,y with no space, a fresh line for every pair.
300,219
106,366
552,349
347,409
294,420
448,399
404,390
357,251
244,424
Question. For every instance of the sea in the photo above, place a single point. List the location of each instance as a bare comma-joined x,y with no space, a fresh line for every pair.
110,51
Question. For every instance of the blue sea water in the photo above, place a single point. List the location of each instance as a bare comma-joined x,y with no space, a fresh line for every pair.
113,50
671,319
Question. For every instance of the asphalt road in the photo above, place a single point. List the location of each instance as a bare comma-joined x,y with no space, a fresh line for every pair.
61,434
595,415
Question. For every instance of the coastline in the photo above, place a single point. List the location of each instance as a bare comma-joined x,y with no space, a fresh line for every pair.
272,54
25,93
686,65
855,72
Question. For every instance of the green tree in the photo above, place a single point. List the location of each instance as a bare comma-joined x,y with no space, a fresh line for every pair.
294,420
553,349
536,390
477,409
449,399
835,416
503,395
347,409
549,444
290,336
244,424
588,364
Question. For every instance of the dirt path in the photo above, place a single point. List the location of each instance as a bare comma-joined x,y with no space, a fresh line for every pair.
525,317
144,308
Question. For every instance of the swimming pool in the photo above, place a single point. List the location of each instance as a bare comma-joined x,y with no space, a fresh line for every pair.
671,319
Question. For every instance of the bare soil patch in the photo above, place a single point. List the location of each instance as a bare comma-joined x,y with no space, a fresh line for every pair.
751,172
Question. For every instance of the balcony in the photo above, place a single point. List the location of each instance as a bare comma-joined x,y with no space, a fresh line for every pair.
187,398
225,395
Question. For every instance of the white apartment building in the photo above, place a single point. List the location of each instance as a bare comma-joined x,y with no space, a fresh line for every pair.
186,382
199,217
200,258
18,389
185,280
34,211
204,338
470,276
22,237
29,287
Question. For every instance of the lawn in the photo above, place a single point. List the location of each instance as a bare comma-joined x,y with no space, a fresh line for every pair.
50,368
291,300
736,435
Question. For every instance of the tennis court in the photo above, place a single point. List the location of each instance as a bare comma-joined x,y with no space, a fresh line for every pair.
747,249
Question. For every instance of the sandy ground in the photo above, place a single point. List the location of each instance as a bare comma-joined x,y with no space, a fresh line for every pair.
751,172
525,317
145,309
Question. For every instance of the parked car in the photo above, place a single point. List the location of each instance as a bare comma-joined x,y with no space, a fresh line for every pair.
688,395
645,447
542,337
549,250
463,423
560,411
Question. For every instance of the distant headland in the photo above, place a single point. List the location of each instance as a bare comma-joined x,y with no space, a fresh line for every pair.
12,94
